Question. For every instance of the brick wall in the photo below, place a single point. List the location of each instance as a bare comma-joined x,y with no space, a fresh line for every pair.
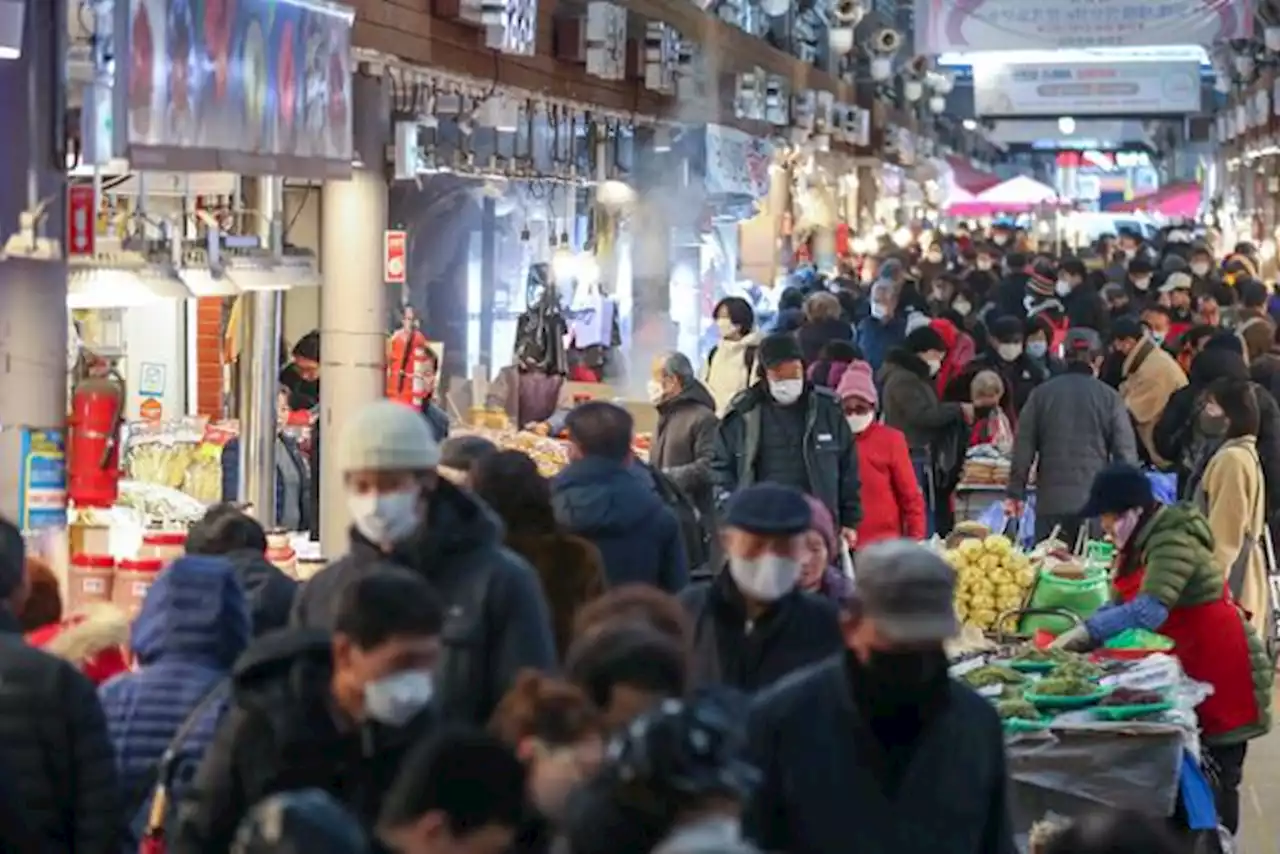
209,356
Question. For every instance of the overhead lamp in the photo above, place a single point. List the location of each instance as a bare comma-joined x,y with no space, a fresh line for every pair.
881,68
902,237
942,83
1066,125
970,124
913,90
937,104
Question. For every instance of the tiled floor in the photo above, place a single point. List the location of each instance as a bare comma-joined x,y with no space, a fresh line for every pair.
1260,800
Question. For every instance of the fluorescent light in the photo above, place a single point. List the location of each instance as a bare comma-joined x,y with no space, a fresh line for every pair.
12,13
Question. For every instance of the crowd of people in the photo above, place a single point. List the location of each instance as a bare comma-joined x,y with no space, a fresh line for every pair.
734,645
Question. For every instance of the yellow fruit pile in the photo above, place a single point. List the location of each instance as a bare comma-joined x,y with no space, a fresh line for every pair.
992,576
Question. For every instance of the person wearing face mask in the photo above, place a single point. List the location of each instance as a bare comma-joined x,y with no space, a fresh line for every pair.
879,738
1139,275
1177,291
885,328
935,431
822,325
559,736
891,497
731,364
1037,335
1010,297
980,280
752,624
1253,324
294,485
1149,378
1158,319
1005,355
785,430
1071,427
334,712
1205,277
1167,580
1080,292
404,512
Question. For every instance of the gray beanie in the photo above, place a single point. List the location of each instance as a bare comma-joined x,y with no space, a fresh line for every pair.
387,436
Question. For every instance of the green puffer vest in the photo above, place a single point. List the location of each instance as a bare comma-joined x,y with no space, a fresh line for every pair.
1177,551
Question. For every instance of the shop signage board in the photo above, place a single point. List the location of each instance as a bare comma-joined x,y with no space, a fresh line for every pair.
1077,89
395,257
42,481
82,218
942,26
737,163
257,87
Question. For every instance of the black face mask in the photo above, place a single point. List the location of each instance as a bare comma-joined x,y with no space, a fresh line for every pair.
890,684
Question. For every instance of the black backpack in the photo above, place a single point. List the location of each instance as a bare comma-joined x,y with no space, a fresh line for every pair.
697,543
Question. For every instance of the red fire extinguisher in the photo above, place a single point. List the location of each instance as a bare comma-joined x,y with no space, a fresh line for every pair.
93,441
408,363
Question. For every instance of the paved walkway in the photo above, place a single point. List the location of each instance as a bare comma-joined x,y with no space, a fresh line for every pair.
1260,800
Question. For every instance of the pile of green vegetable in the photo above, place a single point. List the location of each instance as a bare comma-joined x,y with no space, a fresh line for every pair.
1064,686
1017,710
993,674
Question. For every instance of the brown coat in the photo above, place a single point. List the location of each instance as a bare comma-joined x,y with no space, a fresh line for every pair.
1151,376
572,574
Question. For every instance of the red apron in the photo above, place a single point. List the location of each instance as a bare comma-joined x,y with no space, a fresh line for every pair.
1212,645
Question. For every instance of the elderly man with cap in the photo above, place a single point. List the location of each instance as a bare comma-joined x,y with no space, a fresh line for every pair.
1176,294
878,741
785,430
886,326
403,511
752,624
1167,581
1075,425
58,787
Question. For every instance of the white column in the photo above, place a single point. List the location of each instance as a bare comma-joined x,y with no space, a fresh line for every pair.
33,294
353,317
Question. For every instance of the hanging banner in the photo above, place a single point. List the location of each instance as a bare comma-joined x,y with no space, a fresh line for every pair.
942,26
82,219
737,163
395,257
1085,88
42,481
256,87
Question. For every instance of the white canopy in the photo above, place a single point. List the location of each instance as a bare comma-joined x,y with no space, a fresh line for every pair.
1019,191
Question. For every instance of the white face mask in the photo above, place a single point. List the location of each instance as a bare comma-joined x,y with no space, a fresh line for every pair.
858,423
984,264
1142,282
1009,352
1200,269
394,700
385,518
878,311
1062,288
962,307
999,239
786,392
725,325
1037,349
767,578
654,389
935,365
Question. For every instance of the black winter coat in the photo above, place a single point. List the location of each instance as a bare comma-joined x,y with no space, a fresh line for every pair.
830,454
617,507
1086,308
814,336
820,793
798,630
55,751
497,621
910,402
1021,376
282,732
683,448
269,591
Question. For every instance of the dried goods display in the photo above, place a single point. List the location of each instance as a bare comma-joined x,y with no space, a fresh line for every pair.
179,455
160,504
993,576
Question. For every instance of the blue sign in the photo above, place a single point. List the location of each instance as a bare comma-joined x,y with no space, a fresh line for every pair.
42,483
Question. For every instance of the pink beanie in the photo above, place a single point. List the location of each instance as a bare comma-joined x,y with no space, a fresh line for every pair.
857,383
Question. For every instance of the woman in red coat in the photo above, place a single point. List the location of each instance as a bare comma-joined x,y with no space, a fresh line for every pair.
892,505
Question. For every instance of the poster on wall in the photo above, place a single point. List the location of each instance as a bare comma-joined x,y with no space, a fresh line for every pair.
246,86
737,163
943,26
1085,88
42,480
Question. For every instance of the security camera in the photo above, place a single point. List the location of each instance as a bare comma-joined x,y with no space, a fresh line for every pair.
886,41
847,13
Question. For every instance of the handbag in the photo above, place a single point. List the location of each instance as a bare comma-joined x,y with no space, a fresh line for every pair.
153,837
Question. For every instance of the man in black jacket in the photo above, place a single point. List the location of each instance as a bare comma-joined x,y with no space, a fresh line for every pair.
780,415
227,530
878,741
1080,294
751,624
310,710
54,749
404,512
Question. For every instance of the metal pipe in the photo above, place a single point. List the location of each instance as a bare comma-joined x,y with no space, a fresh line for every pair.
259,370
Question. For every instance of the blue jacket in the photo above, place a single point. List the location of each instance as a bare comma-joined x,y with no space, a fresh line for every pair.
617,507
877,337
230,461
193,625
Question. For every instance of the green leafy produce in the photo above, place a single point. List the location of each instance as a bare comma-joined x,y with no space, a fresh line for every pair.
993,674
1019,709
1079,668
1139,639
1035,655
1056,686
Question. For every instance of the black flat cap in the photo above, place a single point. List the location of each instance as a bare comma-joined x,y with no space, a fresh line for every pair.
768,509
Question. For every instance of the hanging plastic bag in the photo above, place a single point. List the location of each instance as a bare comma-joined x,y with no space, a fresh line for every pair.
1081,596
846,560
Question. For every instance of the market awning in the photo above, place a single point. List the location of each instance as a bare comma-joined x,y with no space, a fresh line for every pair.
1180,200
965,176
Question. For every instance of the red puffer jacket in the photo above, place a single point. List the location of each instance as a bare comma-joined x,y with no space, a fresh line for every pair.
892,504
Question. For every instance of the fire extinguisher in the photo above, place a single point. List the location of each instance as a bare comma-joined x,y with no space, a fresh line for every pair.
93,441
408,363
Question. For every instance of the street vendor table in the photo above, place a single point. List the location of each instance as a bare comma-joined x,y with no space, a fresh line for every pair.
1076,769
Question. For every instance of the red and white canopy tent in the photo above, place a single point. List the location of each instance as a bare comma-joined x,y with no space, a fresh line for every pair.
1180,200
1017,195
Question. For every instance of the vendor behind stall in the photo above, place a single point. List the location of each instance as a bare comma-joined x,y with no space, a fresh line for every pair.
1167,581
294,505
